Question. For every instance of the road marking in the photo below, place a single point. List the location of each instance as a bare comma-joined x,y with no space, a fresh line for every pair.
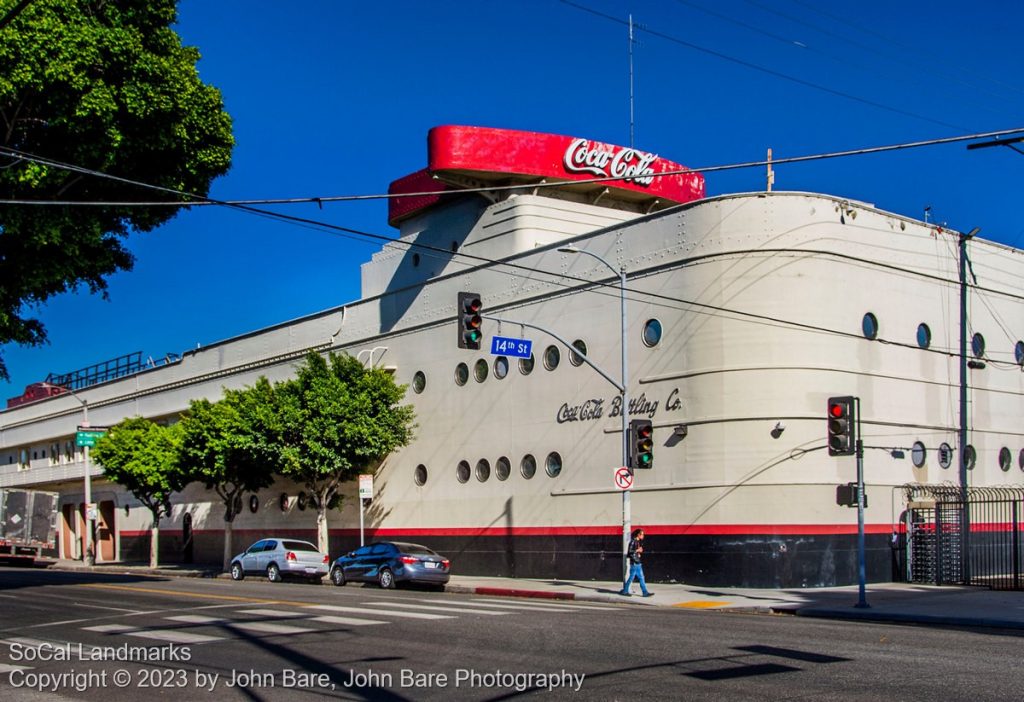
195,595
49,645
434,608
109,628
196,619
7,668
182,637
353,621
701,604
363,610
510,606
271,613
270,628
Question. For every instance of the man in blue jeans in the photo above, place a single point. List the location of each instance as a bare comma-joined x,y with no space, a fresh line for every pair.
634,553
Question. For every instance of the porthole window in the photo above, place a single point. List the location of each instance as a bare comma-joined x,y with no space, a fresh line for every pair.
500,367
970,457
551,357
462,472
924,335
1018,353
918,454
282,502
526,365
528,466
483,470
575,358
419,382
502,469
553,465
1005,459
978,345
1020,459
480,370
419,475
652,332
945,455
254,503
300,501
461,374
869,325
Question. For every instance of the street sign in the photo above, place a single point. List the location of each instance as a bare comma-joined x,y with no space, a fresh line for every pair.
623,479
365,486
507,346
87,438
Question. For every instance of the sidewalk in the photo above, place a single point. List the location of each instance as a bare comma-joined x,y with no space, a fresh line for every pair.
888,602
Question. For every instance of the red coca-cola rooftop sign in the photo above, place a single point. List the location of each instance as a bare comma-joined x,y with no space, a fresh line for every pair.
486,154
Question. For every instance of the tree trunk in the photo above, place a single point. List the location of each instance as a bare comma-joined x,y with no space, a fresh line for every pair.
154,541
322,540
227,544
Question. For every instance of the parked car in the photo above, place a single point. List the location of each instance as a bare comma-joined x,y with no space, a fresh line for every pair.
280,557
388,563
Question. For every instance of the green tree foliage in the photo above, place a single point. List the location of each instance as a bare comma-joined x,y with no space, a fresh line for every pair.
232,446
104,85
339,419
143,457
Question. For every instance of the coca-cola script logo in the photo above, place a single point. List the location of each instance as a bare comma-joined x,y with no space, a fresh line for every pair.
582,156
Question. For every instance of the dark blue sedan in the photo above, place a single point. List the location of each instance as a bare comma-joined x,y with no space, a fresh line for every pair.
388,563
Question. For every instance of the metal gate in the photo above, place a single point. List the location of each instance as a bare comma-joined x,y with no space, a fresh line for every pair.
968,536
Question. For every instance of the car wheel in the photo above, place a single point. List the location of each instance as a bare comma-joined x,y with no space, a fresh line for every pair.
386,578
273,573
338,577
236,571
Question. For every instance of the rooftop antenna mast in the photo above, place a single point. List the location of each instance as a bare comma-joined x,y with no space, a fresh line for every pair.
631,81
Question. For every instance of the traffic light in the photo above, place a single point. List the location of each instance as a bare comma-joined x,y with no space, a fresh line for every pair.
842,426
470,321
641,444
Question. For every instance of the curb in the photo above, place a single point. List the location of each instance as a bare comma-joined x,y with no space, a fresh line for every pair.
141,571
897,618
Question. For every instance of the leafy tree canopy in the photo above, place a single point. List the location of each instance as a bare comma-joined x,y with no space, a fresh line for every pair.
104,85
143,457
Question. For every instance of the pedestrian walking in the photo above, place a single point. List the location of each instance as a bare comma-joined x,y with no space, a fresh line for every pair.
636,571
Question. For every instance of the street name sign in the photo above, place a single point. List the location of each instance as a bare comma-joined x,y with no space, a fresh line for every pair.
87,437
507,346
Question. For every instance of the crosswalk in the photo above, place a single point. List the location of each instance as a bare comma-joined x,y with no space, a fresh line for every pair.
298,619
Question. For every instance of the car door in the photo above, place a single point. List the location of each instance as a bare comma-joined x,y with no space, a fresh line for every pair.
265,556
249,558
355,567
379,556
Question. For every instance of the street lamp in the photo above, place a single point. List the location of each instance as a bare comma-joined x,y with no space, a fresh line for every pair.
88,556
623,392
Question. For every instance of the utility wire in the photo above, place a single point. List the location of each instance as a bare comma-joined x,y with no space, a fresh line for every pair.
197,200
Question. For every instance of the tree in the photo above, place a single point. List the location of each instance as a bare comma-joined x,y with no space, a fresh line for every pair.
339,419
103,85
232,447
143,457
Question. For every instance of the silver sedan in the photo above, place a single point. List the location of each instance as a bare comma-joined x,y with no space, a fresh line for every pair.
280,557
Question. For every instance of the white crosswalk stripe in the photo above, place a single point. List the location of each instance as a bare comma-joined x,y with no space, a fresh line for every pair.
561,604
8,668
433,608
270,628
196,619
502,605
270,613
378,612
351,621
169,635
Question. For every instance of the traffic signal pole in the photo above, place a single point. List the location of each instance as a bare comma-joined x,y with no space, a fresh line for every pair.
862,601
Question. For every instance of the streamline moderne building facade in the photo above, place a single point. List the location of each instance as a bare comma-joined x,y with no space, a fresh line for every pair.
745,313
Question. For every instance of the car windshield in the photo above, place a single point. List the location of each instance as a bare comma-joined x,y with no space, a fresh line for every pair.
299,546
415,549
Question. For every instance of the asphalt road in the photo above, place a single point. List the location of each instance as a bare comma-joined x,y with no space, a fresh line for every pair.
101,637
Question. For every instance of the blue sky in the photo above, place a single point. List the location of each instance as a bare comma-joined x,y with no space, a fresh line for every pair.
335,98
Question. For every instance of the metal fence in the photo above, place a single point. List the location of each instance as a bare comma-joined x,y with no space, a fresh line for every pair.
964,536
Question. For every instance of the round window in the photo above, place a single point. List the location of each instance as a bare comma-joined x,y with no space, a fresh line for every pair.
551,357
924,335
1020,459
528,466
461,374
500,367
575,358
419,382
502,468
945,455
652,332
1018,353
282,502
462,472
480,370
1005,458
254,504
553,465
918,454
483,470
869,325
978,345
970,457
526,365
300,501
419,475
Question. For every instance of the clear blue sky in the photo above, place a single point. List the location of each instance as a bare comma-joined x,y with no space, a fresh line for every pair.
333,98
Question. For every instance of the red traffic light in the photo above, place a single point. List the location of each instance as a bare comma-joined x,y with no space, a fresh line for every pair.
836,409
